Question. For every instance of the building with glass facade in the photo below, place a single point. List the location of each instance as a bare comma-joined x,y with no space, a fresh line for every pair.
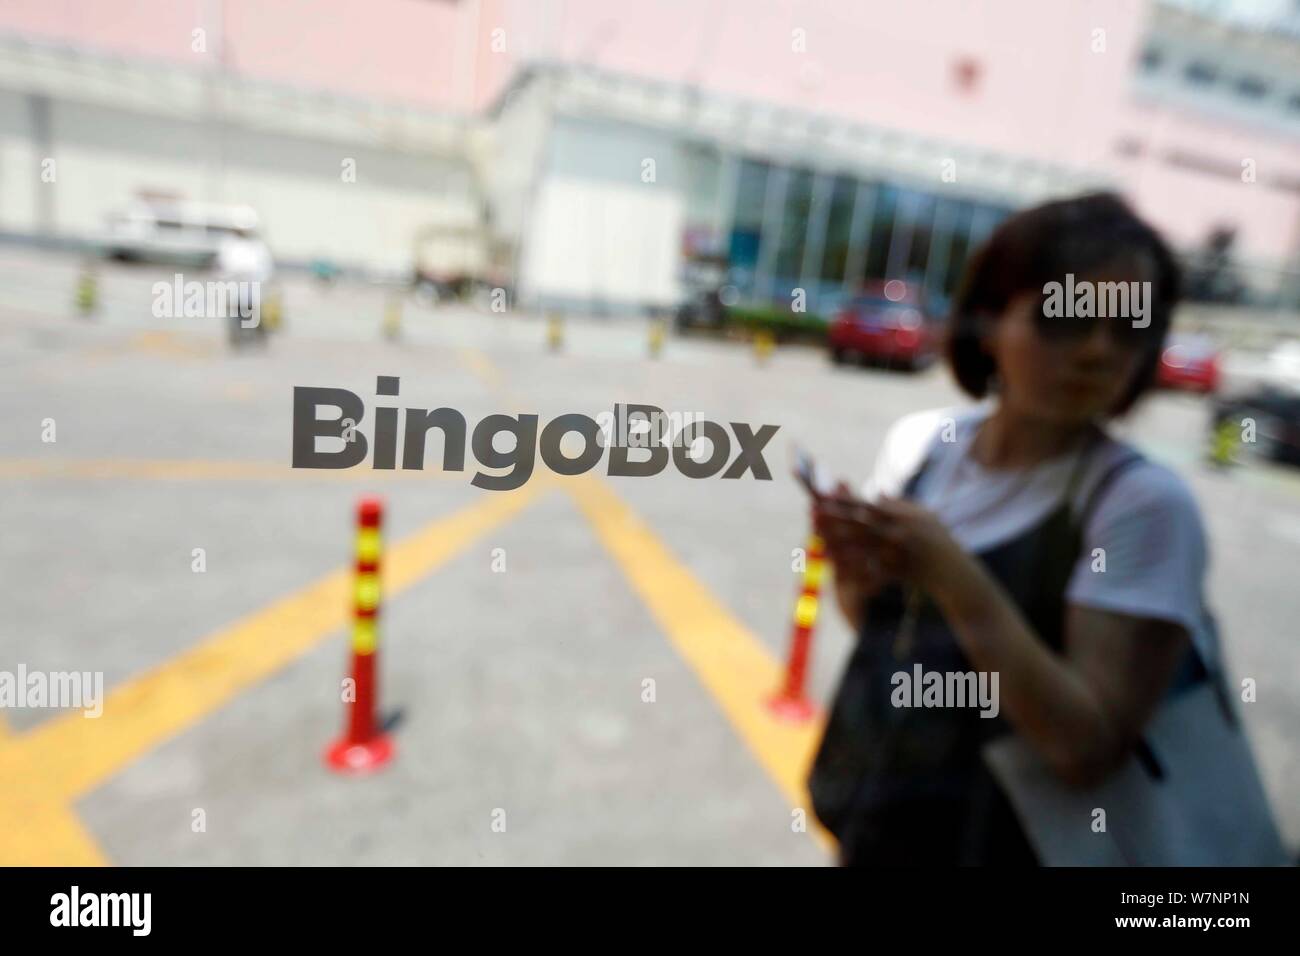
600,161
636,179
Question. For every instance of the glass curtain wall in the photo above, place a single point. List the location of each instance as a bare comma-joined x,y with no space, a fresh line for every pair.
796,212
829,233
841,246
747,225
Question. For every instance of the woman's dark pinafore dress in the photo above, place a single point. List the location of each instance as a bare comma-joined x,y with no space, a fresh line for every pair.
907,786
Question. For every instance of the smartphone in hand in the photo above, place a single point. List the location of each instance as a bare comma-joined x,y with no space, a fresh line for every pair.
810,476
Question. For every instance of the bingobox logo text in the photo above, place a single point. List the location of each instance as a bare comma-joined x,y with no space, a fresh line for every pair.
645,438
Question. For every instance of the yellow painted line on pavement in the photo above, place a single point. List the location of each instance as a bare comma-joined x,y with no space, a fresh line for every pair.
172,345
480,365
731,663
35,829
197,470
70,755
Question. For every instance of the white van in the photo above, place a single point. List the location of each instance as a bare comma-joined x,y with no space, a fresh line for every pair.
175,231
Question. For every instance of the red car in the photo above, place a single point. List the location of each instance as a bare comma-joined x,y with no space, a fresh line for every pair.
886,323
1189,362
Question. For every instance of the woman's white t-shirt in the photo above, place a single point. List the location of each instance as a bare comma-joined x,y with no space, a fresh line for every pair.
1152,557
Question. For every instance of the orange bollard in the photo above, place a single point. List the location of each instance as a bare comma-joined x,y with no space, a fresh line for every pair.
363,746
791,702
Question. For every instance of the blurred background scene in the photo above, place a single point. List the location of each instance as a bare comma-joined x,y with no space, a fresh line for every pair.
756,212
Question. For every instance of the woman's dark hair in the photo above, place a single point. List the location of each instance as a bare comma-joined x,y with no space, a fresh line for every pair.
1084,236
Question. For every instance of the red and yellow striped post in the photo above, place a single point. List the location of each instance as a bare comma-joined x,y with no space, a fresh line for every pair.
363,746
791,702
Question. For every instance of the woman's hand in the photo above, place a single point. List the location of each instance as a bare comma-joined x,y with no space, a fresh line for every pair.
857,571
849,544
892,539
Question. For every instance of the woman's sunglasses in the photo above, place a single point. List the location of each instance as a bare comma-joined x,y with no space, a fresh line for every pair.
1071,321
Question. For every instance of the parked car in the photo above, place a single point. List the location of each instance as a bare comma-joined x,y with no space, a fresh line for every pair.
707,294
175,231
1189,362
888,323
703,311
1263,423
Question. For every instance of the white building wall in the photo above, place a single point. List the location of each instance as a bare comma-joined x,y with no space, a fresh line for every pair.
20,165
309,210
106,157
511,154
600,233
115,131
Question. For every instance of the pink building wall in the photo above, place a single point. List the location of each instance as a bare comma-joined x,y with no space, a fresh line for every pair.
1041,89
396,49
889,63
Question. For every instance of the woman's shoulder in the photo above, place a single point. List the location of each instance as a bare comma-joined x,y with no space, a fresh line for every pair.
1146,529
1124,483
916,433
911,438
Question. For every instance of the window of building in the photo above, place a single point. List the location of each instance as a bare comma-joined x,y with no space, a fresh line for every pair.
959,247
839,228
702,172
1201,73
1252,87
917,255
881,233
794,227
951,229
747,223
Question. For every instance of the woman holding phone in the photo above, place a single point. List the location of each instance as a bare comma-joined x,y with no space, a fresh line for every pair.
1015,537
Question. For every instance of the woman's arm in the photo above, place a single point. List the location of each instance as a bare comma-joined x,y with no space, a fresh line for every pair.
1082,711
